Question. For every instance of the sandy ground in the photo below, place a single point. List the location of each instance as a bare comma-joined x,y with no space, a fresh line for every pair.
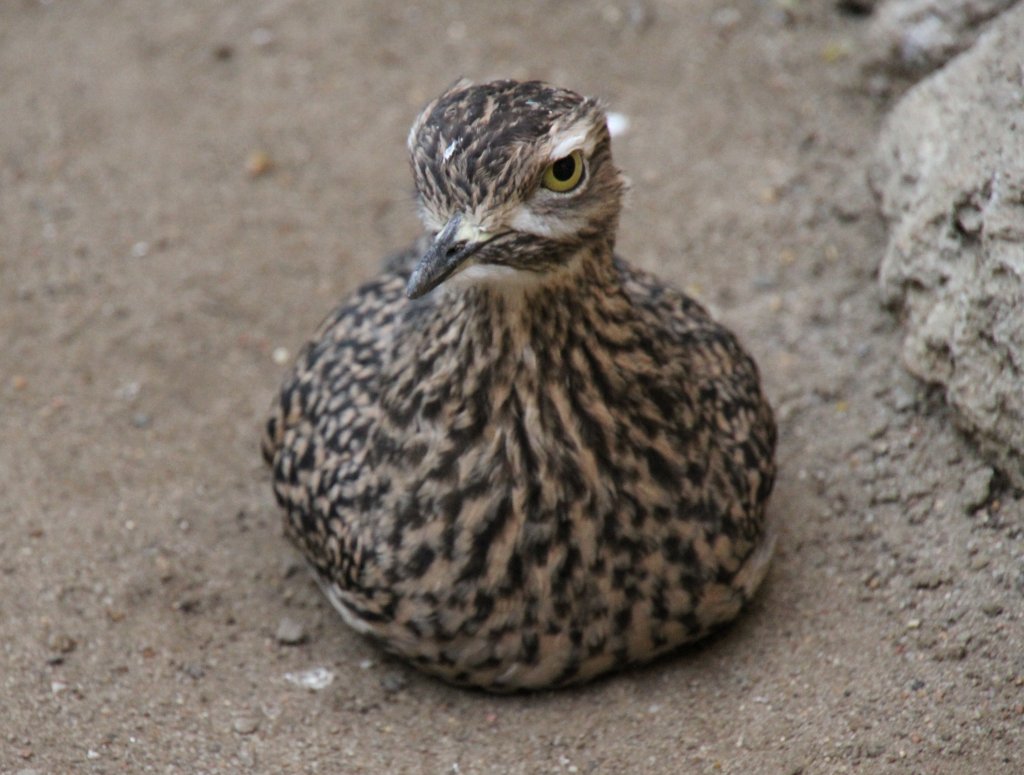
151,281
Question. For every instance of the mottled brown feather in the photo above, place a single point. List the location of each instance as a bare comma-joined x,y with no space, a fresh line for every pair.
523,484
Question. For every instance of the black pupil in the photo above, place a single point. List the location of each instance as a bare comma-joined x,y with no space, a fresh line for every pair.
564,168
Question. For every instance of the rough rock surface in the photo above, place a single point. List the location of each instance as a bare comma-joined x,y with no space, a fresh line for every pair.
920,35
950,175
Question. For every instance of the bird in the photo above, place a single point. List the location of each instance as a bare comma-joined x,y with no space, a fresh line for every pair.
512,459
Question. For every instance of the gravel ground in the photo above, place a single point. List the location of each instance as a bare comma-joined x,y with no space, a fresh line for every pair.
186,188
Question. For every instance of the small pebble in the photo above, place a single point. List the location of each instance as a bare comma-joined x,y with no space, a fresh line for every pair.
954,652
280,355
878,426
393,682
187,605
928,580
980,562
246,725
18,382
834,51
165,572
970,219
847,208
61,643
56,404
903,400
141,420
129,391
992,609
315,678
140,249
258,163
726,19
874,749
261,37
290,632
886,492
247,757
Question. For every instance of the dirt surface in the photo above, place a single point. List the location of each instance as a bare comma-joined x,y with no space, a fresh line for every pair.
185,190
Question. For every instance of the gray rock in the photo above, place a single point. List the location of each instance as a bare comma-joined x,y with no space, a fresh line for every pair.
950,176
290,632
920,35
246,725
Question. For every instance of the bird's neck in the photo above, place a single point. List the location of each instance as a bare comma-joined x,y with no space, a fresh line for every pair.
535,309
470,349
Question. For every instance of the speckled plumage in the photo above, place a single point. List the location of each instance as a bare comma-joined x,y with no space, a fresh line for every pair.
549,464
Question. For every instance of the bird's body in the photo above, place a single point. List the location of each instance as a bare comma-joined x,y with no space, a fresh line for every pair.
550,466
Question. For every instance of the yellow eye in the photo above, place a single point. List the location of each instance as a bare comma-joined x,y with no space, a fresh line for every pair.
565,173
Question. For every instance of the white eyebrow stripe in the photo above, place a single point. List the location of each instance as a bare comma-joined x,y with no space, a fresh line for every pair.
569,144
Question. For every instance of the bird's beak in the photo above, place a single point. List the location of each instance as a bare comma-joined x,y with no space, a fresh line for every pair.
456,242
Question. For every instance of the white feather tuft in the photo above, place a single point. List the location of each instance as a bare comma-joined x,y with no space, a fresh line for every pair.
618,124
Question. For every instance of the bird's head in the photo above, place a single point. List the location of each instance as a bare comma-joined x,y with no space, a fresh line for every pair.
513,179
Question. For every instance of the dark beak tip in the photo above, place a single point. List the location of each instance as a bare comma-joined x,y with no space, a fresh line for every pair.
442,259
413,288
